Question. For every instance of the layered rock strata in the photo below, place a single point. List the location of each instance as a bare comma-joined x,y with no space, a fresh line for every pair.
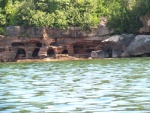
38,43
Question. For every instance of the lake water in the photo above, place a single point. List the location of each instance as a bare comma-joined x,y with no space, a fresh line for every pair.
88,86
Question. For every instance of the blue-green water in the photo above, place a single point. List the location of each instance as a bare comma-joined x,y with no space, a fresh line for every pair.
89,86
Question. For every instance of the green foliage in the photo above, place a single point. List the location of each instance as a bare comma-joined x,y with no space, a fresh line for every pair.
52,13
2,31
10,11
2,23
142,7
60,19
39,18
2,20
123,15
119,16
22,15
126,13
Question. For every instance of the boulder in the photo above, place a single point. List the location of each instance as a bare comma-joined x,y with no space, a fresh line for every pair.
99,54
119,43
139,46
116,54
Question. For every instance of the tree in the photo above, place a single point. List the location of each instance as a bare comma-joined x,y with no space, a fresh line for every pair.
122,14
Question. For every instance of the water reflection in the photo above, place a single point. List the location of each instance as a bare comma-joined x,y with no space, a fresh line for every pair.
99,86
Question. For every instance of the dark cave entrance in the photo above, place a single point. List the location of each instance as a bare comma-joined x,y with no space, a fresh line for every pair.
35,52
20,53
78,49
89,51
142,55
50,53
38,44
109,51
65,52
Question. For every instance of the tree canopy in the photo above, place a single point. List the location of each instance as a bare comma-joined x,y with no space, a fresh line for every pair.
122,15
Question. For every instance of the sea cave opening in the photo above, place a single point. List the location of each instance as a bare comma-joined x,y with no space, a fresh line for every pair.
65,52
109,51
35,52
20,53
78,49
89,50
38,44
50,53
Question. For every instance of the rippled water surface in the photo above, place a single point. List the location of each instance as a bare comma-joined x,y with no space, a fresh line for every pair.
89,86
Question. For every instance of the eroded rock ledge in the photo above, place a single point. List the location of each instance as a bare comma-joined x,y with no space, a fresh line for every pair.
22,43
38,43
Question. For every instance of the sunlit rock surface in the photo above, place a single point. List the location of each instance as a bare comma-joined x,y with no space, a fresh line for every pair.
140,46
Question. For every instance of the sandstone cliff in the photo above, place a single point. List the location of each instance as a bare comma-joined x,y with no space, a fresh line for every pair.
37,43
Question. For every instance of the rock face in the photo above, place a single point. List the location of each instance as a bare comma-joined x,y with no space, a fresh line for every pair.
146,24
19,31
32,43
36,43
19,48
140,46
12,49
102,28
145,20
119,43
72,32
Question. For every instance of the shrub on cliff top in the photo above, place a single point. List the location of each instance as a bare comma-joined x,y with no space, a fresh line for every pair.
53,13
122,14
2,23
2,20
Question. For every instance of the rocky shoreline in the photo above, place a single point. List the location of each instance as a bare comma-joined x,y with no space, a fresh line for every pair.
46,44
22,43
66,58
39,49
